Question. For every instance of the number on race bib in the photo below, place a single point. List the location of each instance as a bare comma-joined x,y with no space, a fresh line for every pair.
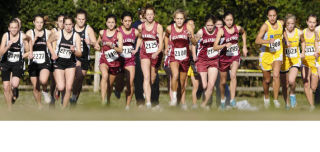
309,51
111,55
180,53
275,46
126,51
292,52
211,53
64,53
233,50
39,57
151,46
13,56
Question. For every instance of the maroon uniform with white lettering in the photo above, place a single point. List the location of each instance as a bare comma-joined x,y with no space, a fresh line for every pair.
128,42
150,44
207,57
110,56
228,55
180,48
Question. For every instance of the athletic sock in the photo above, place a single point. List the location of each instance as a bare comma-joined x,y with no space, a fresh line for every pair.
223,100
174,96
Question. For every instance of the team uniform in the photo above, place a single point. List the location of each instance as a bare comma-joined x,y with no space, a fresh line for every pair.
271,52
12,61
41,56
150,44
228,55
66,59
180,48
309,59
128,45
110,56
292,53
207,57
85,48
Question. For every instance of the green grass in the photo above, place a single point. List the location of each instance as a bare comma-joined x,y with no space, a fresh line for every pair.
89,108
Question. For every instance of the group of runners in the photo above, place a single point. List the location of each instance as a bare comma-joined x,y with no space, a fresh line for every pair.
61,56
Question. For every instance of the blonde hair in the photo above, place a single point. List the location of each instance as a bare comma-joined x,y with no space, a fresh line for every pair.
180,11
290,16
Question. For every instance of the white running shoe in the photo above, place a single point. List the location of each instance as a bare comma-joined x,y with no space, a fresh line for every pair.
173,103
127,108
46,97
194,106
184,107
276,103
148,105
312,108
266,103
156,108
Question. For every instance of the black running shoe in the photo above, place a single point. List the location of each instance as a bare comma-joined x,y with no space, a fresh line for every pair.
117,94
15,95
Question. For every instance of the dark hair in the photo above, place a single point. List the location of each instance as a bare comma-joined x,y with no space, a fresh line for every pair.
38,15
60,15
219,18
126,13
227,13
271,8
141,11
111,16
67,18
312,15
81,11
14,21
210,17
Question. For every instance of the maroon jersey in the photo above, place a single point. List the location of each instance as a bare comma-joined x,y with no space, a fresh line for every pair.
108,55
150,39
180,44
128,43
206,51
232,53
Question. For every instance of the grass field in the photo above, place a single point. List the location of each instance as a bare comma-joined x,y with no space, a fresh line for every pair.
89,108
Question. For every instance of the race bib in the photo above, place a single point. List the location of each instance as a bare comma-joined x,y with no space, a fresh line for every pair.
211,53
111,55
13,56
64,53
233,50
275,46
292,52
151,46
309,51
39,57
126,51
180,53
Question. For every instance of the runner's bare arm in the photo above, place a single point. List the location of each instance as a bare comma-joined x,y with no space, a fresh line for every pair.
78,51
139,40
199,34
244,41
52,38
160,36
192,37
262,31
26,41
166,39
303,46
216,45
4,48
120,43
